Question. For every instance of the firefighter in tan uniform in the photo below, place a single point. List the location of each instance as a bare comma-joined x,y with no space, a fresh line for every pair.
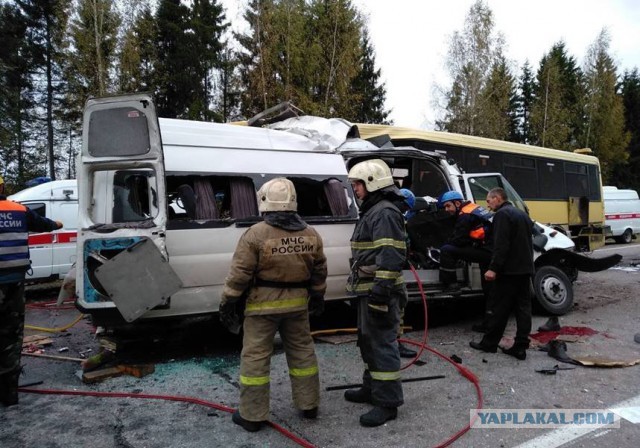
280,267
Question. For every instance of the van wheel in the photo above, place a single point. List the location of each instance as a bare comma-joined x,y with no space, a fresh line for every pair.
626,237
553,290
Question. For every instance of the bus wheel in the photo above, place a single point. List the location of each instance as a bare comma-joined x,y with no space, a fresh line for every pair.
553,290
626,237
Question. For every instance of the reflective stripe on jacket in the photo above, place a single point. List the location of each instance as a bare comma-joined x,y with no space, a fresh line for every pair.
266,254
14,238
378,250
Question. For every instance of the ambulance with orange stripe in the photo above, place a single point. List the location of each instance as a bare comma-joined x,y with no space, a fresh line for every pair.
52,254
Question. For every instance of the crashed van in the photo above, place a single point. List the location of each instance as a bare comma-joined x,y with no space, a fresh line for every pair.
163,203
52,253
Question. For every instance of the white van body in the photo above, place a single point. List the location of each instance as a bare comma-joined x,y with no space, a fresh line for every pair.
52,254
189,188
622,213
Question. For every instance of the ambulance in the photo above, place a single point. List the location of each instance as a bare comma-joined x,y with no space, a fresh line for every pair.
52,253
622,213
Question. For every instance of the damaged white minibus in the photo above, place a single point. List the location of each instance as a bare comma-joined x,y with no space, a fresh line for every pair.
163,203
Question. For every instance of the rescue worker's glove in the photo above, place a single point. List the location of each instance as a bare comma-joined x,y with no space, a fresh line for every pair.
316,304
378,300
229,316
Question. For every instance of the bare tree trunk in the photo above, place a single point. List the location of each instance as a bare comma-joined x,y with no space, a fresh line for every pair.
332,67
98,38
49,55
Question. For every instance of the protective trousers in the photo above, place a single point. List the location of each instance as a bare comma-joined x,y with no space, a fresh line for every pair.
511,293
11,332
257,348
377,339
450,254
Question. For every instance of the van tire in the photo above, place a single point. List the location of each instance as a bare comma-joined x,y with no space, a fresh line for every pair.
553,290
626,237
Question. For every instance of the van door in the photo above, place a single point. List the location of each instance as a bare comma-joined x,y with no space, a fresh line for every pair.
477,185
122,202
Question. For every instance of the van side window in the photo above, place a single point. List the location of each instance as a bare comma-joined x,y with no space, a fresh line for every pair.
39,207
321,198
130,196
222,199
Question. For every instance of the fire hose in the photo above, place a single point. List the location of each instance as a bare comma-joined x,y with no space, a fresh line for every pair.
422,346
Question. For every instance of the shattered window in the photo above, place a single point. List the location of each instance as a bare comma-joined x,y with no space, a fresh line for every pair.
132,195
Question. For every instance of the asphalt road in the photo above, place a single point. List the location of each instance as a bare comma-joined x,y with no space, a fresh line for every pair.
199,360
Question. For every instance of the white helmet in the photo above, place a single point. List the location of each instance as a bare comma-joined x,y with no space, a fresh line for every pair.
277,195
374,173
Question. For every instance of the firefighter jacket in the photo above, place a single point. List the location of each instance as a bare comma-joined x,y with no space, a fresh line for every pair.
277,268
16,221
472,226
512,242
378,249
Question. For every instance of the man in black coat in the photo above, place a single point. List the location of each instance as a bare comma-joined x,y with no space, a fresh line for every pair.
511,268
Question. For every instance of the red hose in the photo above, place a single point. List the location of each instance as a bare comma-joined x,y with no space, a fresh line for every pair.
300,441
468,374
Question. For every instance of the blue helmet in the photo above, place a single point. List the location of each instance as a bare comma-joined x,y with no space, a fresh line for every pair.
409,197
447,196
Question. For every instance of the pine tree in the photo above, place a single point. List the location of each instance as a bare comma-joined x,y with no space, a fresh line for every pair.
370,94
626,176
207,23
137,54
93,31
605,125
556,115
497,101
47,22
15,98
526,86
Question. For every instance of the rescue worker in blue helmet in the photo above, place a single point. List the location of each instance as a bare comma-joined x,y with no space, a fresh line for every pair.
279,269
378,248
469,241
16,221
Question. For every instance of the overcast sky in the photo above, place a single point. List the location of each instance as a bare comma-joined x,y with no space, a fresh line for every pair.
411,40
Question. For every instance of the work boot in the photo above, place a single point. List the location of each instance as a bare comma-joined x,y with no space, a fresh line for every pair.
558,350
360,395
246,424
310,413
406,352
516,352
550,325
378,416
483,347
9,388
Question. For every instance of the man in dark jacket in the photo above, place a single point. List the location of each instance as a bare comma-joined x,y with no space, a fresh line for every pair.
16,221
378,249
511,268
